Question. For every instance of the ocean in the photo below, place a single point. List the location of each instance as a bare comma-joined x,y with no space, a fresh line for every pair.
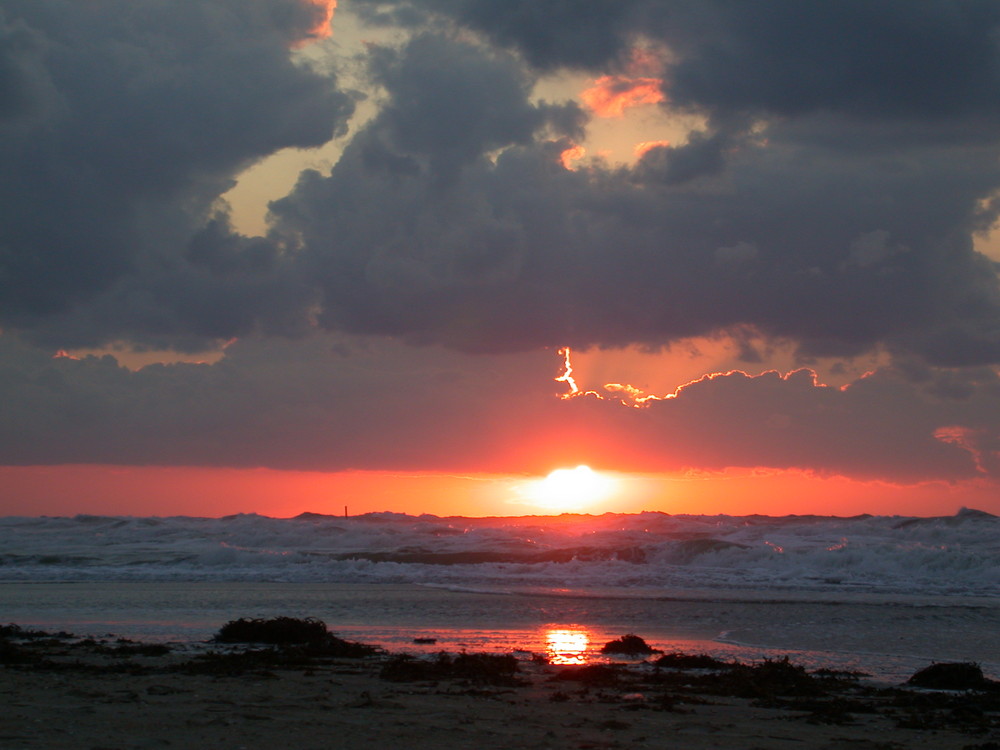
883,595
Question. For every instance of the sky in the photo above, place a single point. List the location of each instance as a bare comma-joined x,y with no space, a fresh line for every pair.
280,256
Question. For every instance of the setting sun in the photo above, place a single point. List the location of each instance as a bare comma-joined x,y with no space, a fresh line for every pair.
569,489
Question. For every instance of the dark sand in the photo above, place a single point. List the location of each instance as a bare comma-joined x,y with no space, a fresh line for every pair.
64,693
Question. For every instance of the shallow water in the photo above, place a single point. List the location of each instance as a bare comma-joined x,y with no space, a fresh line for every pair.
889,638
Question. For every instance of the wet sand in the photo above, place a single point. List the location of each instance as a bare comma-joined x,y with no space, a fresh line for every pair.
64,693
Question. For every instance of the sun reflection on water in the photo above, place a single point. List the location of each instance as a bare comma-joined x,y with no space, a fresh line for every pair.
567,646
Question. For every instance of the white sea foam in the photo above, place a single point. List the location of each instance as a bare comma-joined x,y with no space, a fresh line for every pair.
885,555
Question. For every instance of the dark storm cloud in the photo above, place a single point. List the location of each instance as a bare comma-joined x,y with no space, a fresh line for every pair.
851,146
515,252
452,103
339,403
896,57
550,34
125,122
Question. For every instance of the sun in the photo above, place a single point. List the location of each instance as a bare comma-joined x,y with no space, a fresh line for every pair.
569,489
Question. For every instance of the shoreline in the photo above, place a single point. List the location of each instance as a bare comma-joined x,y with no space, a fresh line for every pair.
62,691
889,640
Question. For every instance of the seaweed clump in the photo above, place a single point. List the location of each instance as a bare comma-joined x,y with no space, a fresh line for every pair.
305,637
770,678
28,647
489,669
274,631
677,660
951,676
630,645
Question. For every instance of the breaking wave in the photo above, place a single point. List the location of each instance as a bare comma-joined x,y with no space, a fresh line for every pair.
957,554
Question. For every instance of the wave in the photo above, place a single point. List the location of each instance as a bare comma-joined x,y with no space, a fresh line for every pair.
957,554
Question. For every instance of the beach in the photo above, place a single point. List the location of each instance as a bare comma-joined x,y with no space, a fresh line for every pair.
110,695
811,638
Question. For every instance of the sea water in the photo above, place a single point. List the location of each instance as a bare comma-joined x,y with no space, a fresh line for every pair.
885,595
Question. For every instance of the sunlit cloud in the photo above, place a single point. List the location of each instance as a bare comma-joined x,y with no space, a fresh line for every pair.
642,148
610,96
320,29
571,155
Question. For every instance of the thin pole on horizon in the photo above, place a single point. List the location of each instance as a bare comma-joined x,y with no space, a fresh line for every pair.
345,511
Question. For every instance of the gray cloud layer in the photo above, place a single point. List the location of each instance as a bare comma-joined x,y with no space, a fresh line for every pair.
330,404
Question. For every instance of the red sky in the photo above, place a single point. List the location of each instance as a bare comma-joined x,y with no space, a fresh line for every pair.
157,491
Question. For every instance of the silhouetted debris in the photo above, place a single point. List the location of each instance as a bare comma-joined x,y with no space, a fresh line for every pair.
276,630
123,648
13,653
951,676
966,711
26,647
840,675
678,660
293,642
592,675
763,682
630,645
770,678
490,669
303,638
17,632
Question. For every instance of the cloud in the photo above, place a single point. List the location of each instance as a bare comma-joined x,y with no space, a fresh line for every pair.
126,123
323,14
453,102
610,96
549,35
332,403
451,218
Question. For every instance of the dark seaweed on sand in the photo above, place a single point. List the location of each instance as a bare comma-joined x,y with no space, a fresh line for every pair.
630,645
676,660
763,682
16,632
952,676
489,669
306,637
275,630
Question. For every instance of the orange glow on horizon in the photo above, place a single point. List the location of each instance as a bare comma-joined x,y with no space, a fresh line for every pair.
67,490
